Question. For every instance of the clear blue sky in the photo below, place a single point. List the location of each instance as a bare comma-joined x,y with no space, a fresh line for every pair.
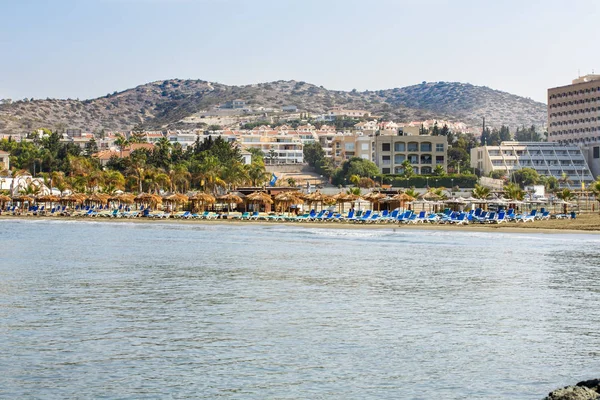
88,48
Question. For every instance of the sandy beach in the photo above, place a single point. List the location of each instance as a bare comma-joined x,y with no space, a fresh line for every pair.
585,223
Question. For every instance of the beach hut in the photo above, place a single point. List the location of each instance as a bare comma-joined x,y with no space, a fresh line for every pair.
374,197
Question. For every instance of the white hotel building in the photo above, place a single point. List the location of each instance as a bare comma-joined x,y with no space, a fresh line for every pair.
548,159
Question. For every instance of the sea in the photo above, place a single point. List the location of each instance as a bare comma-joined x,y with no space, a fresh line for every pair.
134,310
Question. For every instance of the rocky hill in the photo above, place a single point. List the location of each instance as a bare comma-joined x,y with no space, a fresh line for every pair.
164,104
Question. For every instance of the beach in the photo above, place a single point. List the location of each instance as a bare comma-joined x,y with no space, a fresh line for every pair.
584,223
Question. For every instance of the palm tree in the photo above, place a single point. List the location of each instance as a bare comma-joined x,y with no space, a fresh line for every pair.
137,173
113,180
481,192
565,195
513,191
234,174
180,178
121,143
95,179
257,173
564,180
209,174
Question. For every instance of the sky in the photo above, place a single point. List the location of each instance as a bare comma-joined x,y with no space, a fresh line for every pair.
88,48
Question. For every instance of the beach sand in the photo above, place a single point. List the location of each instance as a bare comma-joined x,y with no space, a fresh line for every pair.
585,223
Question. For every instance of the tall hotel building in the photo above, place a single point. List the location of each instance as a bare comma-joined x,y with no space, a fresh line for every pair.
574,117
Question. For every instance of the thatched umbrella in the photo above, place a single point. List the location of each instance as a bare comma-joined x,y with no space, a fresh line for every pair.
4,199
230,198
48,198
259,197
288,198
430,196
75,198
100,198
176,198
125,198
403,198
147,198
203,198
23,199
374,197
318,197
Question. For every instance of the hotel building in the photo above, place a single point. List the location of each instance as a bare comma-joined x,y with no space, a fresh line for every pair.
574,117
548,159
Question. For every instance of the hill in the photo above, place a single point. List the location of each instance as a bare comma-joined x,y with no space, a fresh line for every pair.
164,104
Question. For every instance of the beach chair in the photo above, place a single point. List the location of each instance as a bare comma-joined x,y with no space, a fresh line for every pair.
364,217
421,217
461,219
501,217
316,217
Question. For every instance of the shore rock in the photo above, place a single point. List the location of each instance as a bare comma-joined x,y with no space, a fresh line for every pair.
584,390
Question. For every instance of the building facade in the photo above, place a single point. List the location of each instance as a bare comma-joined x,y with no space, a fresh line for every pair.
548,159
574,117
424,153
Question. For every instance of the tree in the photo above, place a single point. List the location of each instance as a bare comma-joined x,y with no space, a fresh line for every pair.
481,192
439,171
513,191
498,174
526,177
91,147
595,188
566,196
257,173
313,153
407,169
113,180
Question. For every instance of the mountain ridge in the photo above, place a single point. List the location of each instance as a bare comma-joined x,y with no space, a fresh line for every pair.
164,104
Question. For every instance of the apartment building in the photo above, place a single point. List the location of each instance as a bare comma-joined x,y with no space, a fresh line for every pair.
548,159
346,145
285,149
574,117
424,153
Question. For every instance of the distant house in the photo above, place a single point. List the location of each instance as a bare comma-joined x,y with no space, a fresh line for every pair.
289,108
237,103
4,161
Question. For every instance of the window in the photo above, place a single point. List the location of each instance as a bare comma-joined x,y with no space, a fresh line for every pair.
425,146
413,158
425,158
386,160
385,147
349,146
399,146
413,146
439,160
385,170
440,147
596,151
364,146
399,158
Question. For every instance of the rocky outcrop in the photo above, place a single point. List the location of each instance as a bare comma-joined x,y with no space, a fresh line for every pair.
585,390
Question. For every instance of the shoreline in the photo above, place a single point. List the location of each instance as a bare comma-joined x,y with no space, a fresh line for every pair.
546,227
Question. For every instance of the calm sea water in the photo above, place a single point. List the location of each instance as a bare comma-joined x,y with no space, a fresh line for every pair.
134,310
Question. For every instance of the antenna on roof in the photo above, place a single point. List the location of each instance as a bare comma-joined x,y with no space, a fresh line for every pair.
578,73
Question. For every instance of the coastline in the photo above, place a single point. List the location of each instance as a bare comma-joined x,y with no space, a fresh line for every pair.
587,224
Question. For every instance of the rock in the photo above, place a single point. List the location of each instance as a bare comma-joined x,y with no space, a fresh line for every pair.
574,393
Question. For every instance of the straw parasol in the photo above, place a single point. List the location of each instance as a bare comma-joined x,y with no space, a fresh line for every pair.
259,197
148,198
23,199
48,198
229,199
73,198
403,198
288,198
430,196
203,198
98,198
4,198
125,198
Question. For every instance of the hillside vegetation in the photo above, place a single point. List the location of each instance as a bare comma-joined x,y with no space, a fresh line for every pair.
163,104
